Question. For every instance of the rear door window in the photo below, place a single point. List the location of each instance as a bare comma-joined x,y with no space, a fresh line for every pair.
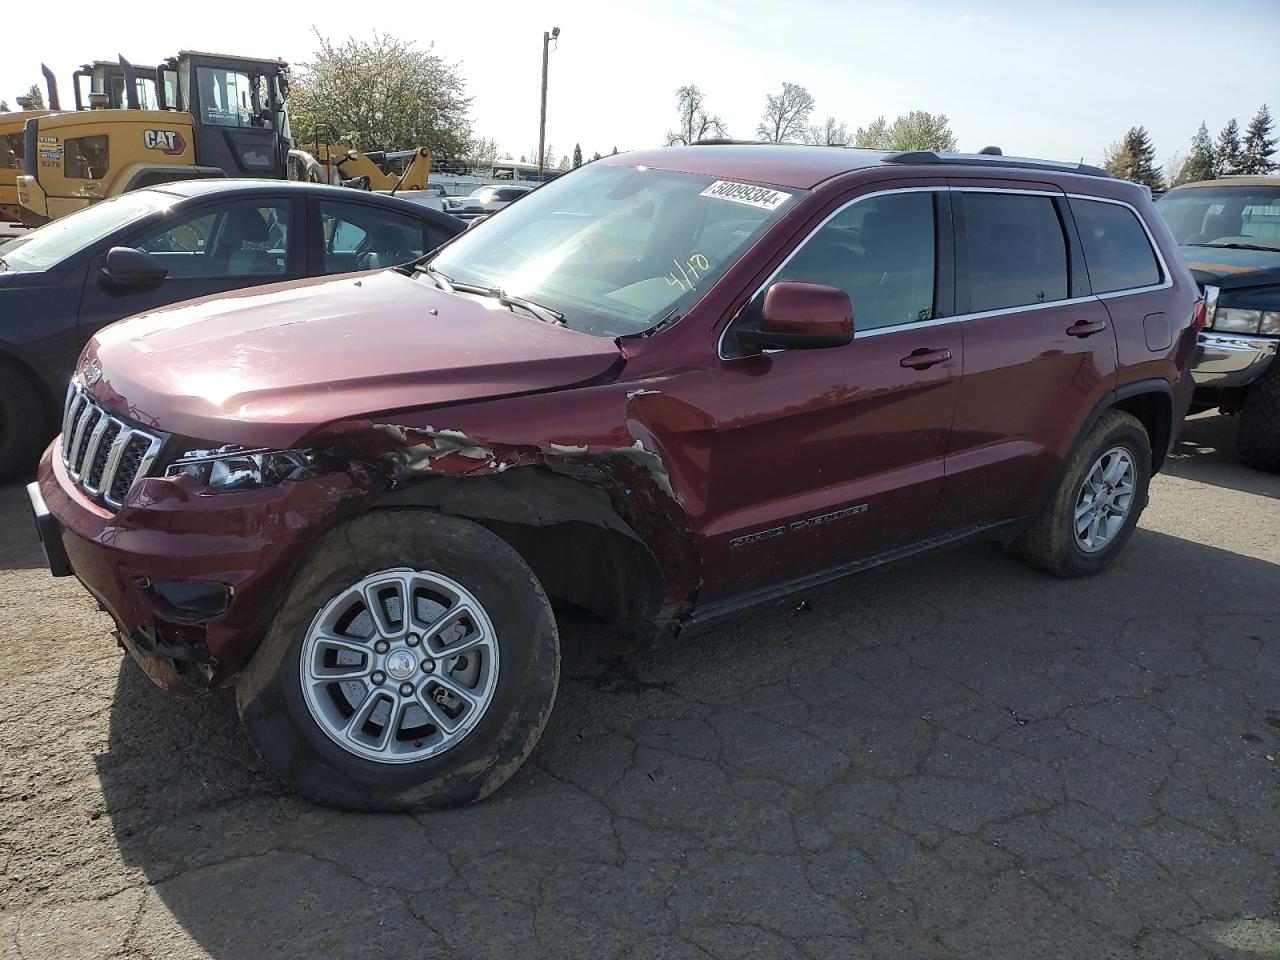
1117,251
366,237
1017,253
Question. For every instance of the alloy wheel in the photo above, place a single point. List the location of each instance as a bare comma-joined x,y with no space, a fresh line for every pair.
400,666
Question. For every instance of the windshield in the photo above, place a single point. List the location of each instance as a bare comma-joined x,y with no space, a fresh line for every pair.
54,242
615,249
1243,216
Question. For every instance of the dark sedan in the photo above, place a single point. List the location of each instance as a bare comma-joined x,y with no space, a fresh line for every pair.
153,247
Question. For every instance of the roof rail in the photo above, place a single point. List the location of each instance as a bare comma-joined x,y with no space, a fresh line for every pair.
727,141
994,160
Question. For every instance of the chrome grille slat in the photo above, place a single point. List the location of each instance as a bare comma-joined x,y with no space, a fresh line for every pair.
91,450
104,454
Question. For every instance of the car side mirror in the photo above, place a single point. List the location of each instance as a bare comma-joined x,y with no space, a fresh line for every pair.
131,267
801,316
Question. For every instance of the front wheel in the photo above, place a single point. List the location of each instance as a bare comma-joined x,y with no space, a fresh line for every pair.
1095,506
1258,439
413,664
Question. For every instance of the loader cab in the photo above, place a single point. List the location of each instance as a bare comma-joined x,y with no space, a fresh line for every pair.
113,79
238,111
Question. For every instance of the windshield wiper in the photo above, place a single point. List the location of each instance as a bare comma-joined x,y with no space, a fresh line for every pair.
441,281
449,285
1236,246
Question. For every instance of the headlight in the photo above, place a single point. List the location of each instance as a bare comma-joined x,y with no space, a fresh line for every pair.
1253,311
233,469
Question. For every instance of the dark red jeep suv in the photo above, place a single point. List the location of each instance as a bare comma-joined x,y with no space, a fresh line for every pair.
665,387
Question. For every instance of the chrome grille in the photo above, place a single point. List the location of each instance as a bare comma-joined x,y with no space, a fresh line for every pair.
103,454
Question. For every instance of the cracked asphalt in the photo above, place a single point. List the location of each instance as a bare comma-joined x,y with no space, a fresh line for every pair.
957,758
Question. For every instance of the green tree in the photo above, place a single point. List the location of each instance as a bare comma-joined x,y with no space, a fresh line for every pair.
577,155
917,130
481,152
829,134
1199,164
1134,158
615,152
696,122
1228,155
786,116
381,94
595,156
1259,145
565,164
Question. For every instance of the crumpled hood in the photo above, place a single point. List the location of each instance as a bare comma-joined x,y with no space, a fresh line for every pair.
266,365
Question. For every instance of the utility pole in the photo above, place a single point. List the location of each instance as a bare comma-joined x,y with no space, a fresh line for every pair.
542,122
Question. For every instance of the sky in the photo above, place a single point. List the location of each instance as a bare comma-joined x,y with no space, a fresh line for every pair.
1060,81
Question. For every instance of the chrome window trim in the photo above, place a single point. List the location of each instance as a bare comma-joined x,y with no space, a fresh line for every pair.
960,318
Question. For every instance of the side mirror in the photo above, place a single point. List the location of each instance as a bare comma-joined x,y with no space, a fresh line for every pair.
131,267
801,316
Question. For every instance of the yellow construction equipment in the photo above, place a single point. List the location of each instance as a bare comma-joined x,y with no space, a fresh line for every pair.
340,164
215,115
13,125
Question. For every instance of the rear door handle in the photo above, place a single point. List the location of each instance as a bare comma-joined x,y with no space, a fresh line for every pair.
924,358
1086,328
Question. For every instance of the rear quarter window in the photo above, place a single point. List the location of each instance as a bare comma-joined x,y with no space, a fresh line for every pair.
1117,250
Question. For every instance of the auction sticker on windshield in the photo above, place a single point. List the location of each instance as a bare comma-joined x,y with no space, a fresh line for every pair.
764,197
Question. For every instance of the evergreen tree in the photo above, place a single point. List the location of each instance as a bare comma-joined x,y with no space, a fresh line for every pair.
1227,155
595,156
615,152
1259,145
1199,164
1134,158
577,155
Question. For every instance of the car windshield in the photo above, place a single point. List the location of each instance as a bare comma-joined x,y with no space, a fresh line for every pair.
54,242
1224,216
615,249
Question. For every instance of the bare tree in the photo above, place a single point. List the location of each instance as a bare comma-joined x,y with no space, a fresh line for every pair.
830,134
786,116
695,122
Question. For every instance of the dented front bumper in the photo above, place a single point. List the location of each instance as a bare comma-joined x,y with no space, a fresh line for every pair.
192,579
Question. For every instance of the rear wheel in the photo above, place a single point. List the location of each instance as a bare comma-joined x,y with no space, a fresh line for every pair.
413,664
1258,439
22,424
1096,504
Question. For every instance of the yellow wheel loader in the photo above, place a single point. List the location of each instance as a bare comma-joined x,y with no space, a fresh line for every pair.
13,126
337,163
218,116
197,115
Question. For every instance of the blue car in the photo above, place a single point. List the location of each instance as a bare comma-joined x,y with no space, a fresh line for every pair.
61,283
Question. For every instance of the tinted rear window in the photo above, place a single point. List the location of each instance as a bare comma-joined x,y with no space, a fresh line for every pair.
1017,253
1116,249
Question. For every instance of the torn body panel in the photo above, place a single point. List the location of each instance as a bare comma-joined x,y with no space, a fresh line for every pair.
612,474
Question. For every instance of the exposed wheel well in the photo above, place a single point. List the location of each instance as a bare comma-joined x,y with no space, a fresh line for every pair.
568,532
1154,410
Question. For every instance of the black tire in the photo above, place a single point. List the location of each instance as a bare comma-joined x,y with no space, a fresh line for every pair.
1258,439
1049,540
281,727
22,424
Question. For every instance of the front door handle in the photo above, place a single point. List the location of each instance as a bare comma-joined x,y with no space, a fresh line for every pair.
924,358
1086,328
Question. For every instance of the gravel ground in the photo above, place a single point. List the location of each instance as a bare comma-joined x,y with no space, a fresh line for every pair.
961,757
